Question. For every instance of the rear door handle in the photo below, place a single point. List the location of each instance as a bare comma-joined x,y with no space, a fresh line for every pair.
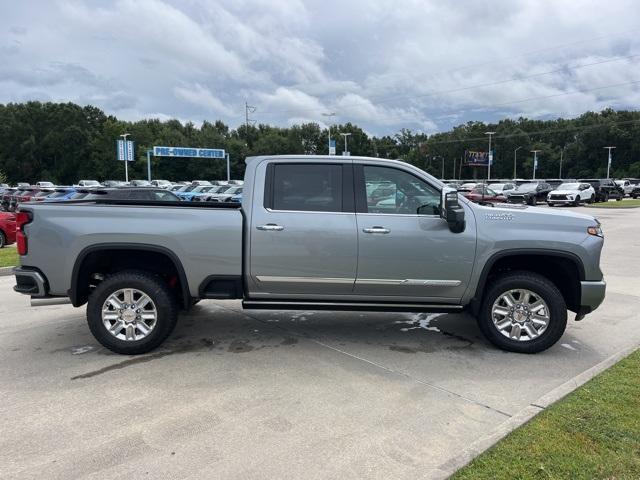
376,230
270,227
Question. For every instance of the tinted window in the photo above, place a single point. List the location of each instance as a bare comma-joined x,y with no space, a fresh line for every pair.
398,192
137,195
311,188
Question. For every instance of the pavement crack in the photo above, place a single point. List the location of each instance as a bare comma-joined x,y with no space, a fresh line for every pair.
370,362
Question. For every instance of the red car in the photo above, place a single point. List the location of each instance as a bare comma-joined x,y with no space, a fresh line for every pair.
488,195
7,229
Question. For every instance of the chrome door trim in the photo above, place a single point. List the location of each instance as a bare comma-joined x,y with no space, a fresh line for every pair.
409,282
276,279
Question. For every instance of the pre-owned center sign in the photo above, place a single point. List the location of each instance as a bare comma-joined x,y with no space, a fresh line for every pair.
188,152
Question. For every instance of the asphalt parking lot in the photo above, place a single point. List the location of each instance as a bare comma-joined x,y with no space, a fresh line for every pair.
238,394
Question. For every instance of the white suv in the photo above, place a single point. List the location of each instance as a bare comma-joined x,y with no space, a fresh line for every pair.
571,194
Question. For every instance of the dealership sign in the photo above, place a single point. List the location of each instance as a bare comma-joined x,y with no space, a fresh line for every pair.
188,152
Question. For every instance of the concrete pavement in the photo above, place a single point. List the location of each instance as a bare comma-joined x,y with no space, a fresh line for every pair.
261,394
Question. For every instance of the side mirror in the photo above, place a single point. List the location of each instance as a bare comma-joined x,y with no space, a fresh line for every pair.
451,211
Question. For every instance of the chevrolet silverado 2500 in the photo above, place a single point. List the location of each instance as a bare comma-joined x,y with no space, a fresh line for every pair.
311,234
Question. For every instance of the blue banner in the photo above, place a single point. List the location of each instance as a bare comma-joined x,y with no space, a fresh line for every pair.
188,152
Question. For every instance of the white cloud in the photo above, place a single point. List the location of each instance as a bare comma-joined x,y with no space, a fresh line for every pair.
384,65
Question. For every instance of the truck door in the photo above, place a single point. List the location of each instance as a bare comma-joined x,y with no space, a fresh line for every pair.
402,254
303,236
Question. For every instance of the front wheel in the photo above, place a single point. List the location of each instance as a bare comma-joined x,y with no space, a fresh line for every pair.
131,312
3,239
523,312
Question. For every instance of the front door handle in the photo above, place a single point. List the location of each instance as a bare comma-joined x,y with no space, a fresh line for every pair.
376,230
270,227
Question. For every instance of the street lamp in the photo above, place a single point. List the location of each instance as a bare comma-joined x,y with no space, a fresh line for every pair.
515,159
346,151
329,115
490,154
609,159
561,155
535,161
126,162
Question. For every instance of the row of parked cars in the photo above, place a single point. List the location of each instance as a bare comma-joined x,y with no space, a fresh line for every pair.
551,191
197,190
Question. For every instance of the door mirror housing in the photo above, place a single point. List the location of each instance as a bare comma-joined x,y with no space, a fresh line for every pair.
451,210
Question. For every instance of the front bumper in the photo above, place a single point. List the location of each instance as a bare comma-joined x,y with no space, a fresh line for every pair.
591,295
559,201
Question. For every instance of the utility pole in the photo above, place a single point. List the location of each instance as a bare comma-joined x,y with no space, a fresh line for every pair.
609,159
442,176
490,155
561,155
346,150
535,161
149,152
515,161
329,115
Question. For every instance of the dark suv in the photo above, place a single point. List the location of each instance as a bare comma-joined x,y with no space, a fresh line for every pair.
605,188
531,192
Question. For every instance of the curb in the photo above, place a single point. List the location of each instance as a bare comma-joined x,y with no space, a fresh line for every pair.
6,271
523,416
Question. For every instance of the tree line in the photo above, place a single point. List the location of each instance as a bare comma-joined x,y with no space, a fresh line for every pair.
63,142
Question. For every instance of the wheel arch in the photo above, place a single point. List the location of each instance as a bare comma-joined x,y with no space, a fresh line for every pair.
567,268
92,255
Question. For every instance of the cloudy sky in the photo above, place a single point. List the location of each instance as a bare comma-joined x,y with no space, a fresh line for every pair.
424,65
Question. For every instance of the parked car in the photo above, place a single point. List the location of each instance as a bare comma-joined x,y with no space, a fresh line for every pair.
531,192
7,229
189,194
554,183
113,183
45,185
502,188
61,194
226,195
5,199
483,193
308,239
467,187
635,192
88,183
152,194
140,183
626,185
605,189
204,197
571,194
161,183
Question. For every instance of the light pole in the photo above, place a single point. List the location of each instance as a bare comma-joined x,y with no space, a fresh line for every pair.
490,154
535,161
442,177
609,159
346,151
515,160
126,162
561,155
329,115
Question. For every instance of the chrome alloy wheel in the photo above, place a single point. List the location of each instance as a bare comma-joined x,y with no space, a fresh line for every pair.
520,315
129,314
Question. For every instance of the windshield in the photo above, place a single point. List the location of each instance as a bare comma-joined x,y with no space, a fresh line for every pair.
569,186
526,187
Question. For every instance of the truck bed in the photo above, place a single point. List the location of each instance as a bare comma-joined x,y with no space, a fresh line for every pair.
205,237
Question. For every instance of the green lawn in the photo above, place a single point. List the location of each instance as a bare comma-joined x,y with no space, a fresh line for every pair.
8,257
626,203
593,433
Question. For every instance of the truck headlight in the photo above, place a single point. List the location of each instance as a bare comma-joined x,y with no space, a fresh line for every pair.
596,230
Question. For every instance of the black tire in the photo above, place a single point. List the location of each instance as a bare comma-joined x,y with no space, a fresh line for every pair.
592,198
576,202
3,239
155,288
542,288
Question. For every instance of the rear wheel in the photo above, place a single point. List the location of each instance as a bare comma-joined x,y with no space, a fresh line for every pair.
523,312
3,239
131,312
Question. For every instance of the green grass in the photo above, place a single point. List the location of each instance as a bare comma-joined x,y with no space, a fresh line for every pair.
8,257
593,433
626,203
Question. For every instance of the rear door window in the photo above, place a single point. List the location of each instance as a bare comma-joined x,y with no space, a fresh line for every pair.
306,187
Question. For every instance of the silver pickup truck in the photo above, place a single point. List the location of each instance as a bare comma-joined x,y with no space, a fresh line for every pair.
314,232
